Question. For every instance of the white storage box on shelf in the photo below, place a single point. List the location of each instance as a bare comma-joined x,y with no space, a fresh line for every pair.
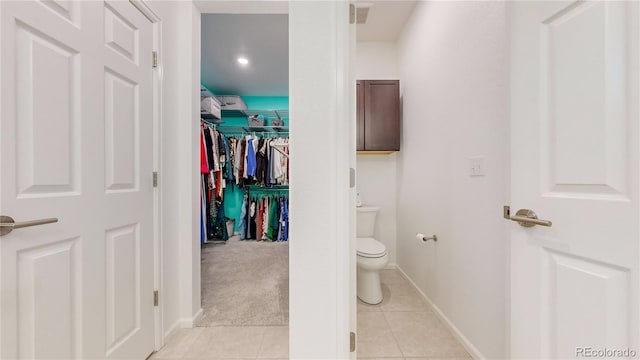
232,102
210,108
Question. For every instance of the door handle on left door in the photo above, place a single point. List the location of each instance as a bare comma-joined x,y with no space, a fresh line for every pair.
7,224
526,218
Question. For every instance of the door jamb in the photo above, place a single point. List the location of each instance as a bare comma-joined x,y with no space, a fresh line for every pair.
156,22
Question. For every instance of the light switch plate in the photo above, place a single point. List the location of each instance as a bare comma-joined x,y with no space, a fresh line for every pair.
476,166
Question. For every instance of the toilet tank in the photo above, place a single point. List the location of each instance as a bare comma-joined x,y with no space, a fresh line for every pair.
366,221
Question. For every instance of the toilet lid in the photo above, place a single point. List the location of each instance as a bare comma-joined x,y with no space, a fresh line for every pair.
370,246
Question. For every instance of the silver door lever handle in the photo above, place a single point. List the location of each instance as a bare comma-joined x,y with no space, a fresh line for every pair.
528,218
7,224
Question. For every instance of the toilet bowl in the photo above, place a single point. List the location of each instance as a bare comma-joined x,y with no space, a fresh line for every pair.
371,258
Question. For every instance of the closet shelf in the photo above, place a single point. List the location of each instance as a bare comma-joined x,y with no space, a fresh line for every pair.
271,114
253,129
210,118
204,92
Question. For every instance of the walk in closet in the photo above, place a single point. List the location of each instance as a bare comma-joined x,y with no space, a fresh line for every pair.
244,157
252,161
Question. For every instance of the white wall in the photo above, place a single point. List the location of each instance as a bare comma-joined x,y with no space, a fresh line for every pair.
453,65
376,174
376,60
320,257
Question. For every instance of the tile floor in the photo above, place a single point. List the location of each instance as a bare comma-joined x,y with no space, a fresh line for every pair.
401,327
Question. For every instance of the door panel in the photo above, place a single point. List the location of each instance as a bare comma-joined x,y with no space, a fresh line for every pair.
68,10
583,291
48,118
584,102
123,295
120,35
574,161
49,305
76,144
121,138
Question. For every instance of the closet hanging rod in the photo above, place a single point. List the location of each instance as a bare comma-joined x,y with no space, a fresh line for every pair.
258,134
266,190
258,188
252,129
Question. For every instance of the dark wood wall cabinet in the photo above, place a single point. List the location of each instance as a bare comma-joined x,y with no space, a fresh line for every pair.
378,115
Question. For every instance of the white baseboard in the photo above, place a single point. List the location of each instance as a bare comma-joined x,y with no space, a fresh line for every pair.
472,350
172,329
183,324
189,323
391,266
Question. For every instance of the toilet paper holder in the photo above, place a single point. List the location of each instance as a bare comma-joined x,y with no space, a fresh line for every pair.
424,238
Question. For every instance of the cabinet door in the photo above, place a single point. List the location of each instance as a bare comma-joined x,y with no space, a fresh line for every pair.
381,115
360,114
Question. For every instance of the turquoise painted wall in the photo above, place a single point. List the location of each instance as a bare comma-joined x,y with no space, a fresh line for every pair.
267,102
232,194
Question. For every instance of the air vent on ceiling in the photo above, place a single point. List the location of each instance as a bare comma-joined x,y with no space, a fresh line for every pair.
361,14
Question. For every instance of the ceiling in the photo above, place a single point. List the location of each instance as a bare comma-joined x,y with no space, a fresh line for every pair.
258,30
242,7
261,38
386,19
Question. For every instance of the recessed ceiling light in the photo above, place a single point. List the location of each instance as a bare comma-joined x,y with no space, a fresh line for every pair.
243,60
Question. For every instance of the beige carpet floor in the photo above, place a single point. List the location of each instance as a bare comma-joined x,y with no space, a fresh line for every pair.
245,283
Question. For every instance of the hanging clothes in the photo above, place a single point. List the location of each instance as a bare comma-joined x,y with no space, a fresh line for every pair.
244,161
286,219
215,150
242,223
265,224
251,158
204,165
253,229
227,164
208,148
264,217
213,166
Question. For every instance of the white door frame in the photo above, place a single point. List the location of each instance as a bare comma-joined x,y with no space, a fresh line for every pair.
156,21
321,256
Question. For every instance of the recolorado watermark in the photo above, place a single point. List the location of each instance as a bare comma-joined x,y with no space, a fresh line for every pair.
590,352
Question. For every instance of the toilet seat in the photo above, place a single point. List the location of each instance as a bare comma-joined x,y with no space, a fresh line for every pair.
370,248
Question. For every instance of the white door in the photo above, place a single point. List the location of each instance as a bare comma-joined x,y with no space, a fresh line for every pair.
574,151
76,144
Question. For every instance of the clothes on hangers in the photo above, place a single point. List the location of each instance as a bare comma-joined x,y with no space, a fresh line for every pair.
279,164
264,217
251,157
204,162
255,162
244,160
213,165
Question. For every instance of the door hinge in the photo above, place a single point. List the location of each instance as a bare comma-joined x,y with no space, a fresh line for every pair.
506,212
155,179
352,14
154,59
352,341
155,298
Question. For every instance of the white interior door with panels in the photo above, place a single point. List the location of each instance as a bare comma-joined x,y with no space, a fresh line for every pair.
574,150
76,145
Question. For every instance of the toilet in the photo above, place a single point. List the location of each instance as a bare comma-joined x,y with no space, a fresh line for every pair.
371,256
